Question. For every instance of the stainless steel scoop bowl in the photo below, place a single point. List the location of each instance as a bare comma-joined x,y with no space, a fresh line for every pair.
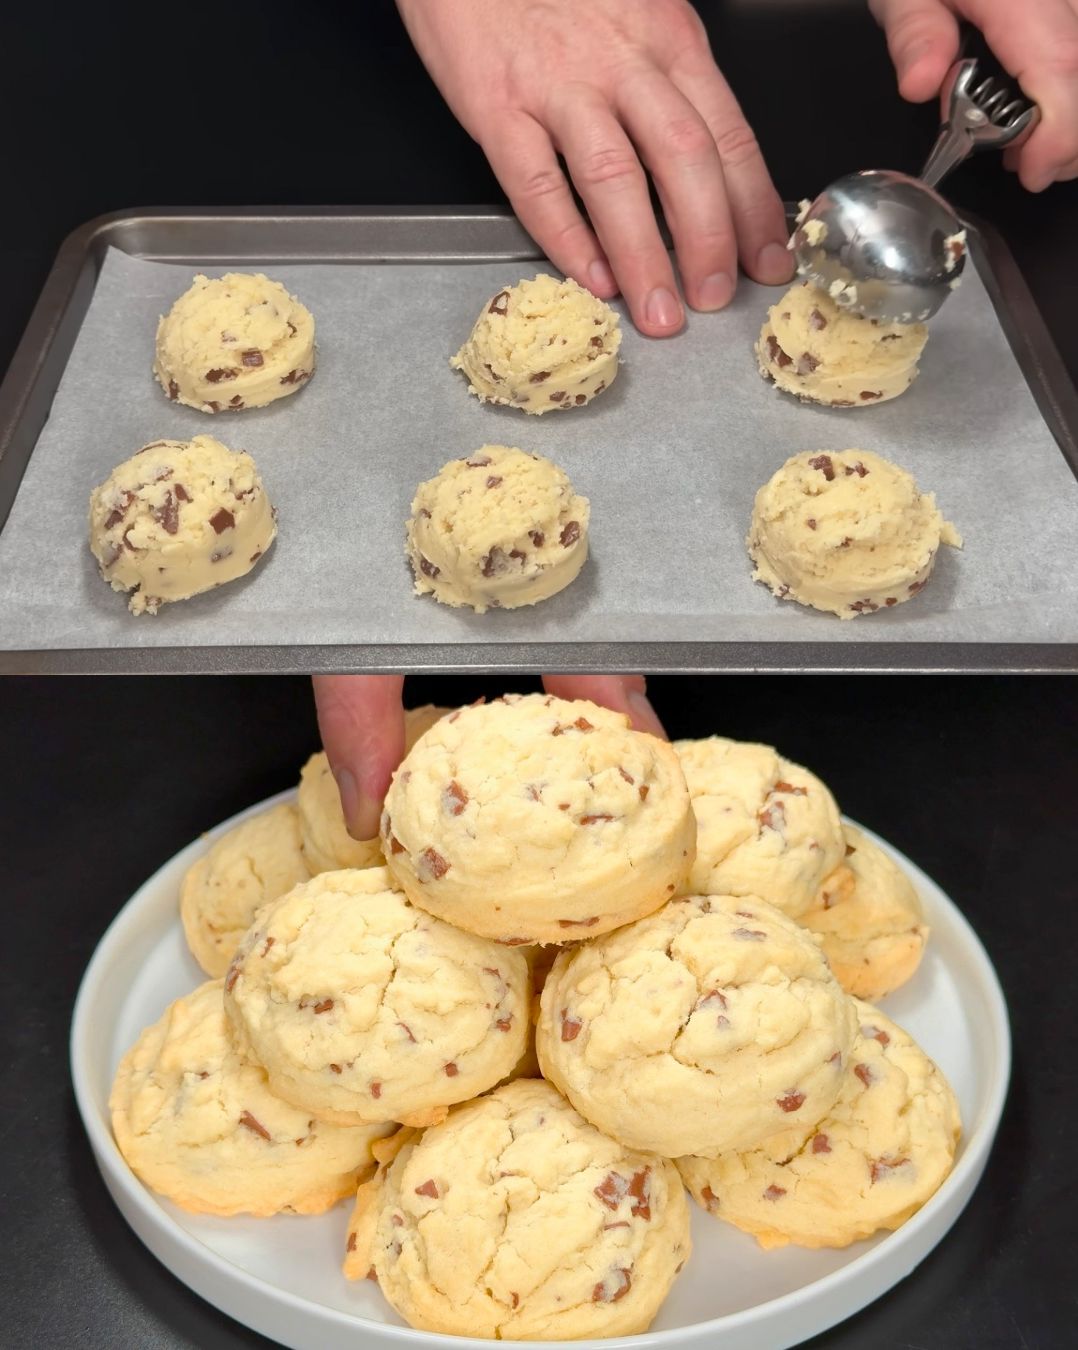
886,245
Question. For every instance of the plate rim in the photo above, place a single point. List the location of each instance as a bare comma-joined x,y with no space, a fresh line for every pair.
964,1176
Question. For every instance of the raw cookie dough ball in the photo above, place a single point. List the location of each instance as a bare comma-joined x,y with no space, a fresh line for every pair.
515,1220
764,825
500,529
846,532
540,345
823,354
179,518
870,924
535,819
231,342
327,845
362,1008
257,861
196,1121
706,1027
883,1149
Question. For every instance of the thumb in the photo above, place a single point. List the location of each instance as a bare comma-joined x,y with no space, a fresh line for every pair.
922,37
361,719
621,693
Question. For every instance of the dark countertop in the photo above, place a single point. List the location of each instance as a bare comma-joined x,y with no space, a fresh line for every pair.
106,779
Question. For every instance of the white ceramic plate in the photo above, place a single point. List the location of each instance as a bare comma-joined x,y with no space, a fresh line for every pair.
281,1276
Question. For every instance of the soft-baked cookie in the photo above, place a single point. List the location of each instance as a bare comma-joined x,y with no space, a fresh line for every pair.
178,518
872,928
232,342
883,1149
196,1121
256,861
540,345
764,825
500,529
363,1008
706,1027
821,353
846,532
536,819
327,845
515,1220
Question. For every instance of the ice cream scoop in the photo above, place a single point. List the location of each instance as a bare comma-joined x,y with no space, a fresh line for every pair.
888,246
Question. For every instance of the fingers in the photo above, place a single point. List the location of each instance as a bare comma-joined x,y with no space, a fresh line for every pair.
609,176
527,167
361,719
922,37
1039,47
676,146
621,693
755,208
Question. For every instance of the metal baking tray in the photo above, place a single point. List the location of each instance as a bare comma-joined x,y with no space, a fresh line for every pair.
262,238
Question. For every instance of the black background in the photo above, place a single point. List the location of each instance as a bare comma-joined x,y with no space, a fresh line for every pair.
124,105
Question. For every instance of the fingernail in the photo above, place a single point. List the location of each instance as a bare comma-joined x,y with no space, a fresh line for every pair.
662,308
1037,182
644,715
360,812
600,277
774,264
716,291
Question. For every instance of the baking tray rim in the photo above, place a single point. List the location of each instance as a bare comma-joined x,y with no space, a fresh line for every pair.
54,325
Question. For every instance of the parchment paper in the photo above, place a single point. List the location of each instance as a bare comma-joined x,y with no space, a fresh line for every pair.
671,458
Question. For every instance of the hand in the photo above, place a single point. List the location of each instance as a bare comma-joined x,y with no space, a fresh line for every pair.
1035,40
615,87
361,719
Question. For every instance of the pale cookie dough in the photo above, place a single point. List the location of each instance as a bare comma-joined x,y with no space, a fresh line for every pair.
179,518
764,825
196,1122
500,529
533,819
812,348
231,342
515,1220
257,861
362,1008
846,532
872,929
883,1149
706,1027
540,345
327,845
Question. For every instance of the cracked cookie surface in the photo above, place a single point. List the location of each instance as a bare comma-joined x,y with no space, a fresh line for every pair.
196,1121
702,1028
536,819
233,342
364,1008
870,921
179,518
516,1220
764,825
257,861
541,345
883,1149
498,529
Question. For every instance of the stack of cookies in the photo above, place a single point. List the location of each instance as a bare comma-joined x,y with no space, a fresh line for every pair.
677,938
